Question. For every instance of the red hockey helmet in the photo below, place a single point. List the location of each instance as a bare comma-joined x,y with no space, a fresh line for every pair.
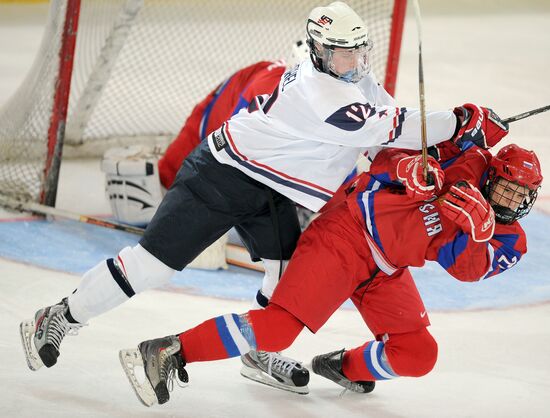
513,182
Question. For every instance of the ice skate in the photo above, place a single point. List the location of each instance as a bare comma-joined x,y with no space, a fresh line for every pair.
272,369
330,366
160,359
42,336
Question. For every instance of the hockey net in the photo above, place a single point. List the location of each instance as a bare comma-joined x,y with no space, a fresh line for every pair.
119,72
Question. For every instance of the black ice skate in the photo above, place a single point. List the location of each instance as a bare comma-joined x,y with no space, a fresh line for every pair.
42,336
160,359
330,366
272,369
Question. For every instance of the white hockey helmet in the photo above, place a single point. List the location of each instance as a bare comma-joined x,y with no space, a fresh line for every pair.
339,42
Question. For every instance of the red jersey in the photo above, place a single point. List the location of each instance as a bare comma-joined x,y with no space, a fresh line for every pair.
402,232
223,102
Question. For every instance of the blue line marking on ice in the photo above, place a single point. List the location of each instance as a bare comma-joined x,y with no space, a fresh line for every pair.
75,247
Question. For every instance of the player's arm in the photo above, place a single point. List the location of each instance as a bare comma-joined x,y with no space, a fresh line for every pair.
480,249
478,125
366,125
470,261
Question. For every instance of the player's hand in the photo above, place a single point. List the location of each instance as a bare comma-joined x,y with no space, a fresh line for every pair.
479,125
410,173
465,205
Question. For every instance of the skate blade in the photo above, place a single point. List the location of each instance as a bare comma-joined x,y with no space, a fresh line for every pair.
263,378
129,359
26,330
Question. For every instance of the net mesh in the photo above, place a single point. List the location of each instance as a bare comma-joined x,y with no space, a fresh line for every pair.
141,66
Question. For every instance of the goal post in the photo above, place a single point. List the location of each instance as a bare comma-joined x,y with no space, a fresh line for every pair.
56,130
120,72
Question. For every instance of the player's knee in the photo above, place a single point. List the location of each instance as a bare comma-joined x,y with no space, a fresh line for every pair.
412,354
275,329
142,270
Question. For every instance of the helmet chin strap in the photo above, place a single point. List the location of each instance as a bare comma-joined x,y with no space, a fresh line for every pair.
503,214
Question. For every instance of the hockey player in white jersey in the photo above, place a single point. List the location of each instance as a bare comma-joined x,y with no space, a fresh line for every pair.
298,144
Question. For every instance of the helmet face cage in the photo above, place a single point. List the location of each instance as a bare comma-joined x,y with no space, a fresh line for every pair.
510,200
349,64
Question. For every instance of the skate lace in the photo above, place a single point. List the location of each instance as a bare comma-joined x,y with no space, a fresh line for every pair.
276,362
59,327
168,373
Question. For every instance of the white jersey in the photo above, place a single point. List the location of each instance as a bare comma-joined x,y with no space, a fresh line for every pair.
305,138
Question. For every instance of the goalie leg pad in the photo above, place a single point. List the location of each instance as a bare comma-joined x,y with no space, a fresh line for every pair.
114,281
132,183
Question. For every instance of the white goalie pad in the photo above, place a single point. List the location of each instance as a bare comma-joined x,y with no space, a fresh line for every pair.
132,183
129,360
26,329
213,258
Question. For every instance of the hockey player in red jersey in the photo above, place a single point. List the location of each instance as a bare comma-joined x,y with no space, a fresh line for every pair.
296,145
361,248
224,101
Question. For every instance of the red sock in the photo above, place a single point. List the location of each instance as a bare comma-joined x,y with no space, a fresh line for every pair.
203,343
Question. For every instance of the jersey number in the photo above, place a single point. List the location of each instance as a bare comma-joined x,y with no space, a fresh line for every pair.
505,263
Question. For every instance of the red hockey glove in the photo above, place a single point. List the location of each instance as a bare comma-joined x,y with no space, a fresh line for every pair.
465,205
409,171
479,125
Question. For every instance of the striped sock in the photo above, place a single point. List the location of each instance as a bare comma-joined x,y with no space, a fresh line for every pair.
367,363
218,338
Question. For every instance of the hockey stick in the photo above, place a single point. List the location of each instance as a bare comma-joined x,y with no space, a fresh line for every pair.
235,255
44,210
423,134
526,114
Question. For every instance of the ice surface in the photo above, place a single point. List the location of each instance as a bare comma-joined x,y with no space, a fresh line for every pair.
492,362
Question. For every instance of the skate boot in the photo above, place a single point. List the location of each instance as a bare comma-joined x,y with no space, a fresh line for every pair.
330,366
160,359
42,336
272,369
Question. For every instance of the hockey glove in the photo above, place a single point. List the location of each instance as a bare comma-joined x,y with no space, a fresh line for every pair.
479,125
465,205
410,173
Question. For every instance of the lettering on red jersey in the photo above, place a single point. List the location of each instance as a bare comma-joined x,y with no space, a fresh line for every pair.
432,221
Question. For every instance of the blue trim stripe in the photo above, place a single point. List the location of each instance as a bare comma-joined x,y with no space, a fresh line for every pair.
351,175
448,253
380,366
385,179
225,336
273,177
242,103
208,110
375,234
361,204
